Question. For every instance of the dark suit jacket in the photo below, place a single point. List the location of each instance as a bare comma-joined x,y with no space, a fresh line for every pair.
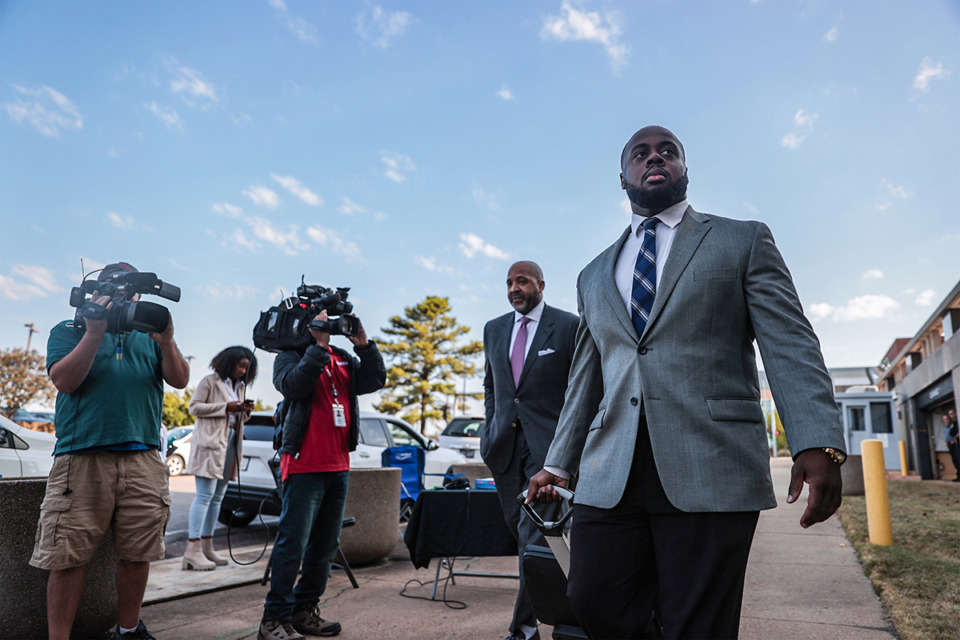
537,400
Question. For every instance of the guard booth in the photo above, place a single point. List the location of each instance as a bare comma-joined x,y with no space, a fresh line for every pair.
869,414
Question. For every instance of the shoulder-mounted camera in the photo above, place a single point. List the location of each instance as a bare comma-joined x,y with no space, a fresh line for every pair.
287,325
125,315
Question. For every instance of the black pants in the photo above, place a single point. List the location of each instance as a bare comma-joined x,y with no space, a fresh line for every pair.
646,557
509,484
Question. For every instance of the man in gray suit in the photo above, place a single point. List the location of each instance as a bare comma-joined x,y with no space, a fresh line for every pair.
528,354
662,427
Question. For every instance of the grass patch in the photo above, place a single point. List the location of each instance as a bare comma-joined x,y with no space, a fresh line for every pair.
918,577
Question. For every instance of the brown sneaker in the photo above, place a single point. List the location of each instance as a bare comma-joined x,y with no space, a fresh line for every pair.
276,630
308,620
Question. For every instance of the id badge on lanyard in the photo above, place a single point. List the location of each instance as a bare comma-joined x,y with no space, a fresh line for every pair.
339,415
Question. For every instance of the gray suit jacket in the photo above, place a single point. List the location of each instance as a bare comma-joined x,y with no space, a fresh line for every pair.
537,400
724,286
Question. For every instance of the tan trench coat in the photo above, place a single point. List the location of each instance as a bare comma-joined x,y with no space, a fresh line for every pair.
209,443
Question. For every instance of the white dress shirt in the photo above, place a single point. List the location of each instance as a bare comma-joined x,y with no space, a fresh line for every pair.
627,262
534,316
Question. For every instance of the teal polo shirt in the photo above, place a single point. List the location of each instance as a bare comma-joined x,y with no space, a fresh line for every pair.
119,402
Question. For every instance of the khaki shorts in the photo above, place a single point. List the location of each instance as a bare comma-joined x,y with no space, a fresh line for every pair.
87,493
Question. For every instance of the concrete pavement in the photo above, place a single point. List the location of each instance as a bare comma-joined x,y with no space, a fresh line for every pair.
800,584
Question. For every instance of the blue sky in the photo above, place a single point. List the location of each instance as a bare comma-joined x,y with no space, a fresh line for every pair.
414,148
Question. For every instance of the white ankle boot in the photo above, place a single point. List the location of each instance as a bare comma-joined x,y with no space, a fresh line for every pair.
194,559
206,545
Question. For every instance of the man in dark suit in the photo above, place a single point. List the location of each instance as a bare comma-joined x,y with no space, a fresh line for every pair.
662,427
528,354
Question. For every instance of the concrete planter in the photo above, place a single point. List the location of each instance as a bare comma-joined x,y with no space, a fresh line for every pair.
373,498
23,589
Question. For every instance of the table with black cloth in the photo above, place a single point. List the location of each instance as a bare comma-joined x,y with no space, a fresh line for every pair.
446,524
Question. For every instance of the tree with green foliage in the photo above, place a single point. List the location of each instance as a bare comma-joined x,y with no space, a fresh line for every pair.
23,379
176,408
426,360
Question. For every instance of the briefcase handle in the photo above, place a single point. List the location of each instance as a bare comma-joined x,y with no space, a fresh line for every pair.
548,527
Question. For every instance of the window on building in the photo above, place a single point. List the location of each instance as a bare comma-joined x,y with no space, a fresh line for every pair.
856,419
881,417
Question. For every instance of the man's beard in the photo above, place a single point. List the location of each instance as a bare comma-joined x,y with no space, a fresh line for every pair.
659,198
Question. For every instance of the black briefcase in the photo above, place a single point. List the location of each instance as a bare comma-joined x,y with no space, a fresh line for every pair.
547,586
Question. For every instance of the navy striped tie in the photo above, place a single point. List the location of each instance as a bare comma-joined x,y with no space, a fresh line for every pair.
645,276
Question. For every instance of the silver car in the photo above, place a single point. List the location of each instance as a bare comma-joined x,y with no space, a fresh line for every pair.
463,434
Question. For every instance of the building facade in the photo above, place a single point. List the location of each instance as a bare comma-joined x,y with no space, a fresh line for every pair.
923,372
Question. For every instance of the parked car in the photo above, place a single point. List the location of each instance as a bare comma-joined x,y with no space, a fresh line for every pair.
463,434
24,453
249,495
178,455
178,432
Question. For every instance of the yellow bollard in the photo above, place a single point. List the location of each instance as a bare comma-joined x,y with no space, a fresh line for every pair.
903,459
875,488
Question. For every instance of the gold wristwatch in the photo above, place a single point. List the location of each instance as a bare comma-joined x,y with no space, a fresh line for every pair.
837,456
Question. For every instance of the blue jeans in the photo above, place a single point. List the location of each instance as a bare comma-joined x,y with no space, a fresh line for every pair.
308,535
205,507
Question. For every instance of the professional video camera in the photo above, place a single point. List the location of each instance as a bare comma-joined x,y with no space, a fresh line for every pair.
125,315
287,325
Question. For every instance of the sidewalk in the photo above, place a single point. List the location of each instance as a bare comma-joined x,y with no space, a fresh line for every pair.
800,584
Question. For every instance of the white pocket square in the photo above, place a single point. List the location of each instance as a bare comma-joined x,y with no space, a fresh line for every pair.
545,352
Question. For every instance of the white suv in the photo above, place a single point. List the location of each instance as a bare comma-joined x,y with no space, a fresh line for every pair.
252,494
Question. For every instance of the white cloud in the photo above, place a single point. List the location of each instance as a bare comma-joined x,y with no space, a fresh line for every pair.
505,93
168,116
430,264
471,244
119,221
240,239
227,292
926,297
625,205
871,274
820,310
380,27
589,27
929,71
299,27
485,199
398,165
330,239
895,191
349,207
792,141
865,308
190,83
28,282
46,109
832,34
805,119
293,185
749,207
228,209
287,240
263,196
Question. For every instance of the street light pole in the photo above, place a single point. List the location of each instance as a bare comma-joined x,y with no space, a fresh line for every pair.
32,331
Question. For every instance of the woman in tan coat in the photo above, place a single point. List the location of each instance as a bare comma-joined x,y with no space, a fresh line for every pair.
221,408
